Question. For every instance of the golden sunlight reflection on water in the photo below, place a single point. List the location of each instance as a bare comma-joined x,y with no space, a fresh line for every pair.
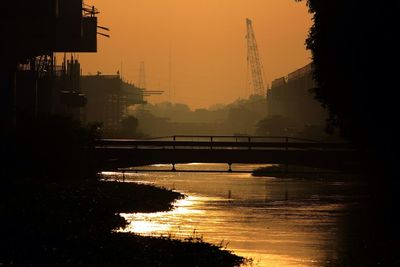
171,224
275,222
157,223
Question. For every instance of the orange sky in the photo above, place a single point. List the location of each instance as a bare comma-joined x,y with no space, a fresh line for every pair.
206,40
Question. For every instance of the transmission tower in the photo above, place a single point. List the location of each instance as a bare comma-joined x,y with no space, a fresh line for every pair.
142,76
254,61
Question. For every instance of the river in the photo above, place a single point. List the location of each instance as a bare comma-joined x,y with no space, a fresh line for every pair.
274,221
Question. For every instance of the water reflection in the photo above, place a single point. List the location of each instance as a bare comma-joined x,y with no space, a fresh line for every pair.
162,223
277,222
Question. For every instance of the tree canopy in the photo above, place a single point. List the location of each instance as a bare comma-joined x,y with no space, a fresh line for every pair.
355,51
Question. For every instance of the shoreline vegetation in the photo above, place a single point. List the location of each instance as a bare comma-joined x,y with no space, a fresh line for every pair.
56,211
300,172
72,225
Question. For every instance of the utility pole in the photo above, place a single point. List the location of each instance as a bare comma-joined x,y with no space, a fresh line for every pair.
171,90
121,74
142,76
254,61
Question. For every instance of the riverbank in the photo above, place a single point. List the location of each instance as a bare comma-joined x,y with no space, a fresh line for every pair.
300,172
70,224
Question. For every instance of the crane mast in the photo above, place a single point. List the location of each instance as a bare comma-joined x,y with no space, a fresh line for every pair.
254,61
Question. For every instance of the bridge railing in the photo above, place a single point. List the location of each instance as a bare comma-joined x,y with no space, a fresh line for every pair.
237,138
222,142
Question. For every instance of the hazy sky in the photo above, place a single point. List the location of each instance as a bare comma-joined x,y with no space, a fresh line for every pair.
206,41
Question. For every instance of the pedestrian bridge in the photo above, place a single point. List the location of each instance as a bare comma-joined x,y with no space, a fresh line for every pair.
118,154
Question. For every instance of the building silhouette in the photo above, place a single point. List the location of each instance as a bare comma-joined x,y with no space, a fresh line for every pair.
108,100
290,97
30,79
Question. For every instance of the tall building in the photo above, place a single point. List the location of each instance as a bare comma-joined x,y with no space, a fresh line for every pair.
32,31
290,97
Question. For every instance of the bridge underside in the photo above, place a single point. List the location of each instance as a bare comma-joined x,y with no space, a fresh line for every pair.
114,158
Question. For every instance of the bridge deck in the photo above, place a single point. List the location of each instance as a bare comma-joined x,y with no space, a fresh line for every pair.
117,153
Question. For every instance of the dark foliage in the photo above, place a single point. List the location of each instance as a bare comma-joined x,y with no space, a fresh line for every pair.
353,45
355,50
129,124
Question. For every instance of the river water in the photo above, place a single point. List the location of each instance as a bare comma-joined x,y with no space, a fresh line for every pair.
274,221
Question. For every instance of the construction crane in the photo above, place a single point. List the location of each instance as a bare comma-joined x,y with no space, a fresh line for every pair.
254,61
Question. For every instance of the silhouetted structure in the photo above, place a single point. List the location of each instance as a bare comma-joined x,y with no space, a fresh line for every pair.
290,97
38,27
254,61
226,149
46,88
108,99
29,79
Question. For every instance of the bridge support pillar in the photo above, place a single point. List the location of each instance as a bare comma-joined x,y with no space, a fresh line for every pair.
230,167
173,167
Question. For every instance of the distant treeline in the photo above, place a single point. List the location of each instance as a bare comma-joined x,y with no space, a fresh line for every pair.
242,117
239,117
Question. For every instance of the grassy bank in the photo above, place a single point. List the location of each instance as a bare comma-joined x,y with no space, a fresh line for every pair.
56,212
68,224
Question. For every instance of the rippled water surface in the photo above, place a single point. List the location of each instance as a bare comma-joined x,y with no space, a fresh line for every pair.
276,222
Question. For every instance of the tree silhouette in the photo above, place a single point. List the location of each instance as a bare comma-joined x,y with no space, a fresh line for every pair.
354,45
355,51
129,125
